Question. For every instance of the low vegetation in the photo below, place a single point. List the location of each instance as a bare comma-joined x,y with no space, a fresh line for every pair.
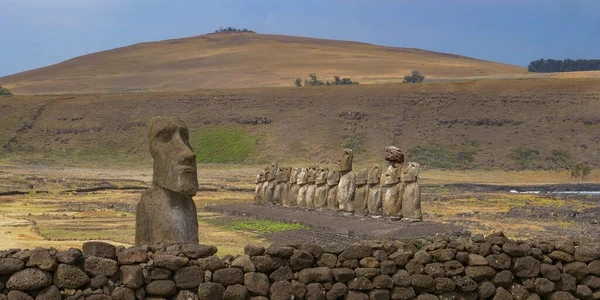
263,226
567,65
232,29
560,159
314,81
356,142
4,91
222,145
414,77
580,172
435,155
525,157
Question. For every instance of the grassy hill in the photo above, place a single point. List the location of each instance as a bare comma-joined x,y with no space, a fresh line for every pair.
533,123
240,60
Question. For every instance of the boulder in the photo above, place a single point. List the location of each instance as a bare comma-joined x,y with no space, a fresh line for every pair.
210,291
49,293
132,276
283,273
228,276
70,277
527,267
356,252
479,273
123,293
315,291
186,295
550,271
10,265
257,284
170,262
577,269
343,274
70,256
99,249
544,286
319,274
485,289
422,283
360,284
29,279
587,252
42,259
301,259
444,285
188,277
196,251
100,266
18,295
161,288
402,293
244,262
279,251
132,255
254,250
281,290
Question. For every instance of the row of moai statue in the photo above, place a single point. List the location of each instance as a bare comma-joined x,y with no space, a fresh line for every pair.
399,197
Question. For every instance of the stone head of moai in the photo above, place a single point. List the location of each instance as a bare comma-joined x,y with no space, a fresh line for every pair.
374,175
392,174
286,174
361,177
294,175
260,176
280,177
321,175
411,172
174,160
312,174
346,161
273,168
302,176
333,178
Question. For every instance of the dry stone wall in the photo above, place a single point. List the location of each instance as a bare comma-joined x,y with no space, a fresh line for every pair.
454,267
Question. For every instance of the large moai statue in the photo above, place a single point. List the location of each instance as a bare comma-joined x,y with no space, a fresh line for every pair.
312,187
303,187
322,187
333,179
261,178
360,195
374,190
166,213
285,189
411,199
347,185
294,187
279,186
392,199
272,182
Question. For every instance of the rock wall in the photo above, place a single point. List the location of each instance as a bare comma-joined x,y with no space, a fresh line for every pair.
455,267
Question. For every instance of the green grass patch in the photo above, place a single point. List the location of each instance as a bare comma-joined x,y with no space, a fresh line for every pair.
356,142
444,156
263,226
222,145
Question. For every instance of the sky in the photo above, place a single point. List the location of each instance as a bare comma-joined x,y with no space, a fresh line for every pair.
37,33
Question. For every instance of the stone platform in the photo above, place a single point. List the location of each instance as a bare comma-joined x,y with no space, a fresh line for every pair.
352,225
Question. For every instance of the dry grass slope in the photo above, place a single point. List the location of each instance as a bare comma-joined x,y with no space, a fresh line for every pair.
234,60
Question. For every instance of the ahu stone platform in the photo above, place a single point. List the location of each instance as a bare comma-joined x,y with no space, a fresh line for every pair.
338,222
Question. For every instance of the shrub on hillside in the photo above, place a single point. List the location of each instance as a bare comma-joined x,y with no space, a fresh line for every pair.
414,77
435,155
4,91
525,157
560,159
314,81
580,172
232,29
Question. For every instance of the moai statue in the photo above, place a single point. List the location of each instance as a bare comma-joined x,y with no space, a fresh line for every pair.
279,186
374,191
264,185
360,195
302,187
392,199
272,182
166,213
333,178
321,191
261,177
347,185
294,187
411,200
312,187
285,190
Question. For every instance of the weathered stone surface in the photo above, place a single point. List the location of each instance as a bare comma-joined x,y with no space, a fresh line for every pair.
401,278
464,283
186,295
49,293
485,289
18,295
210,291
327,260
550,271
544,286
160,273
577,269
479,273
211,263
453,268
99,249
69,256
10,265
499,261
360,284
591,281
583,292
315,291
198,250
477,260
388,267
567,283
382,282
235,292
356,252
299,289
414,267
516,250
70,277
100,266
301,259
337,291
281,290
244,262
369,262
504,279
257,284
228,276
587,252
161,288
265,264
132,255
526,267
29,279
562,256
561,296
283,273
367,272
343,274
319,274
403,293
502,294
123,293
443,255
400,258
422,283
435,270
280,251
188,277
41,258
519,291
254,250
170,262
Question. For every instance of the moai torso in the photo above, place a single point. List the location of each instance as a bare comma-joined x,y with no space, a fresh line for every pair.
333,179
374,192
411,200
312,187
392,202
279,186
347,185
303,186
270,189
360,196
321,191
294,187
